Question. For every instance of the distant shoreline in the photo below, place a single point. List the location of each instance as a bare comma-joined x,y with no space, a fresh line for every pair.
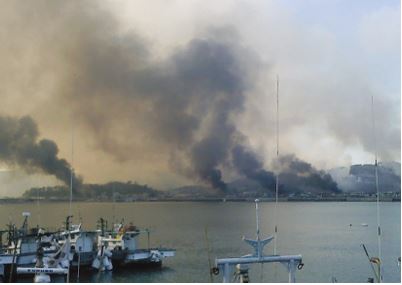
25,201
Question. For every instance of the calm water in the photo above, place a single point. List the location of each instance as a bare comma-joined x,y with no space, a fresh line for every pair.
318,231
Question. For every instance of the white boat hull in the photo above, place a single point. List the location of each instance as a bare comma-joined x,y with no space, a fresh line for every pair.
148,256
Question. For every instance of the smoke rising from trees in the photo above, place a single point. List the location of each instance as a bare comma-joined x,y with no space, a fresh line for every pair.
20,144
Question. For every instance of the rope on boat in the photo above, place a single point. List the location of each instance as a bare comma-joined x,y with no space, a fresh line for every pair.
371,263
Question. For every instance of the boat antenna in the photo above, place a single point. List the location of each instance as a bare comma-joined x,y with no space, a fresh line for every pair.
211,278
377,188
38,206
113,206
277,158
257,222
71,167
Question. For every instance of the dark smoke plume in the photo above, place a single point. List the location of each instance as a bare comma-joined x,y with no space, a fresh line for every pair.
181,107
19,145
295,175
301,175
247,164
185,102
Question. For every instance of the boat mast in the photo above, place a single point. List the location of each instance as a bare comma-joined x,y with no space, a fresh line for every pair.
257,221
377,189
71,167
37,206
277,158
113,207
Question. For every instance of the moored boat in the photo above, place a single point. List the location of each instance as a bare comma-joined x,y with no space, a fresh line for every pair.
122,242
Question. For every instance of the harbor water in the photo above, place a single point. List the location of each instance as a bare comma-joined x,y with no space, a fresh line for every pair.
327,234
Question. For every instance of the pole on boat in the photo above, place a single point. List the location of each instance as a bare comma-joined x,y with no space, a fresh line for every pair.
211,279
378,192
71,167
37,205
78,269
277,158
113,206
226,273
14,255
258,233
68,273
69,252
71,198
257,219
148,240
292,270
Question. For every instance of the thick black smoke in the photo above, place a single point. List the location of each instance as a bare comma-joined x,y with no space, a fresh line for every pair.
300,175
209,75
295,175
19,145
247,164
185,102
181,106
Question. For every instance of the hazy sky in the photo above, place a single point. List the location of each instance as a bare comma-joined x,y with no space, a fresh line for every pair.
331,57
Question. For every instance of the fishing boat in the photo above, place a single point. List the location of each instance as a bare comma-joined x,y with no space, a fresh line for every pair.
83,244
21,248
45,267
122,242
